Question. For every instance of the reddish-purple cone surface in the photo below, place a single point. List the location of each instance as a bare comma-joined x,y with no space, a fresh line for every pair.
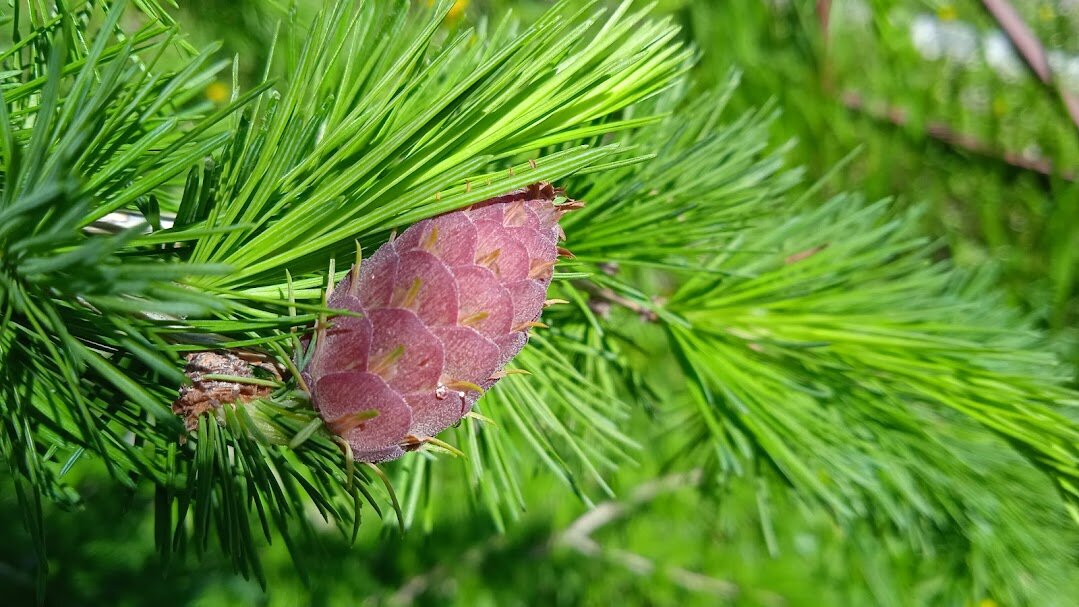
445,306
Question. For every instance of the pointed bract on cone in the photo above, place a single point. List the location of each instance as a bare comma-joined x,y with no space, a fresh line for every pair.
445,306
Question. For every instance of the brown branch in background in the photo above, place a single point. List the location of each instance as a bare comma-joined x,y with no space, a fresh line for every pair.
607,512
1032,51
824,16
824,19
607,296
942,132
578,537
415,587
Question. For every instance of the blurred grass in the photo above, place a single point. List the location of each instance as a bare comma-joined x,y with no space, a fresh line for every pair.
987,211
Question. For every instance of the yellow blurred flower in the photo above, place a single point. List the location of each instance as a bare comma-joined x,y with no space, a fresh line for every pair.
947,12
1000,107
218,92
456,10
1046,12
987,603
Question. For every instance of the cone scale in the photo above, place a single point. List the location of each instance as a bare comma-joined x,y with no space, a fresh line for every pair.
445,306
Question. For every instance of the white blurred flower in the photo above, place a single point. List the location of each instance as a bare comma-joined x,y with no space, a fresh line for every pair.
1065,67
926,37
1001,57
960,41
936,39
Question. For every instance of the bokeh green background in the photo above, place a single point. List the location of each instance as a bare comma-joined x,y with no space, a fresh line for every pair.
675,549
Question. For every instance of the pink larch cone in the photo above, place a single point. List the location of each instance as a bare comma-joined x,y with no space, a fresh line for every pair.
445,306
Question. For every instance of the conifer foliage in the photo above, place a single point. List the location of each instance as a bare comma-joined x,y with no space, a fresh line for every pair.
734,320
